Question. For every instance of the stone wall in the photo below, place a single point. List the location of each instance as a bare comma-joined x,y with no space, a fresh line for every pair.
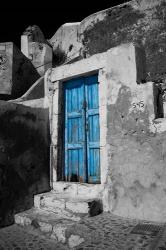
17,74
24,74
34,93
35,47
136,145
24,157
65,43
140,22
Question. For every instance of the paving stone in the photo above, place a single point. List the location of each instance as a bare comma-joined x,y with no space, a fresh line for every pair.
75,240
19,238
104,231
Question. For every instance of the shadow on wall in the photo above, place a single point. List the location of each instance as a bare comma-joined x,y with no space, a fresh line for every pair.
158,101
24,158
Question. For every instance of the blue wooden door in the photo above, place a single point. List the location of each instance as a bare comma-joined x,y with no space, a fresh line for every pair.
82,154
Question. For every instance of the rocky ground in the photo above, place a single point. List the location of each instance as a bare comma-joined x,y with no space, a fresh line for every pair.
104,231
17,238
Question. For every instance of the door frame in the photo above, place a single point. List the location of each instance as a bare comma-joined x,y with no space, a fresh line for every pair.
54,80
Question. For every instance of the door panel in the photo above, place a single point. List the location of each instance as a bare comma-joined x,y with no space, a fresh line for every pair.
93,127
74,131
75,164
82,132
94,162
93,130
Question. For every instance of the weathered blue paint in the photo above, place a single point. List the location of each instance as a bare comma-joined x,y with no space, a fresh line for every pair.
74,127
93,130
82,156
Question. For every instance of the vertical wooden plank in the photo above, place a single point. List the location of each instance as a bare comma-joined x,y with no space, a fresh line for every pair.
93,129
74,131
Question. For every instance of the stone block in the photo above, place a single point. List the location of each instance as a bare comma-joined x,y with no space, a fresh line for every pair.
22,220
75,240
59,233
45,227
65,188
53,202
89,191
77,207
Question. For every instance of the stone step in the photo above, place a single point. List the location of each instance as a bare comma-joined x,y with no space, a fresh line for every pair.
54,213
61,203
48,223
82,189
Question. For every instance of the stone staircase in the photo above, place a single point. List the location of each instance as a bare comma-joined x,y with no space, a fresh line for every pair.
54,213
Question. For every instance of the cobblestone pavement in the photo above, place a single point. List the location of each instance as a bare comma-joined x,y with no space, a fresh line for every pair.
114,233
105,231
17,238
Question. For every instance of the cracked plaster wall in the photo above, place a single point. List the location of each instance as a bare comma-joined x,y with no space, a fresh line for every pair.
136,148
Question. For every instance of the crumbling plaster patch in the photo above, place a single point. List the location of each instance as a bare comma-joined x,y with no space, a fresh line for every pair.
141,22
136,180
63,50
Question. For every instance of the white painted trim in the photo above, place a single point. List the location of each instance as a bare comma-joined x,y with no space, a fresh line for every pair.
79,68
